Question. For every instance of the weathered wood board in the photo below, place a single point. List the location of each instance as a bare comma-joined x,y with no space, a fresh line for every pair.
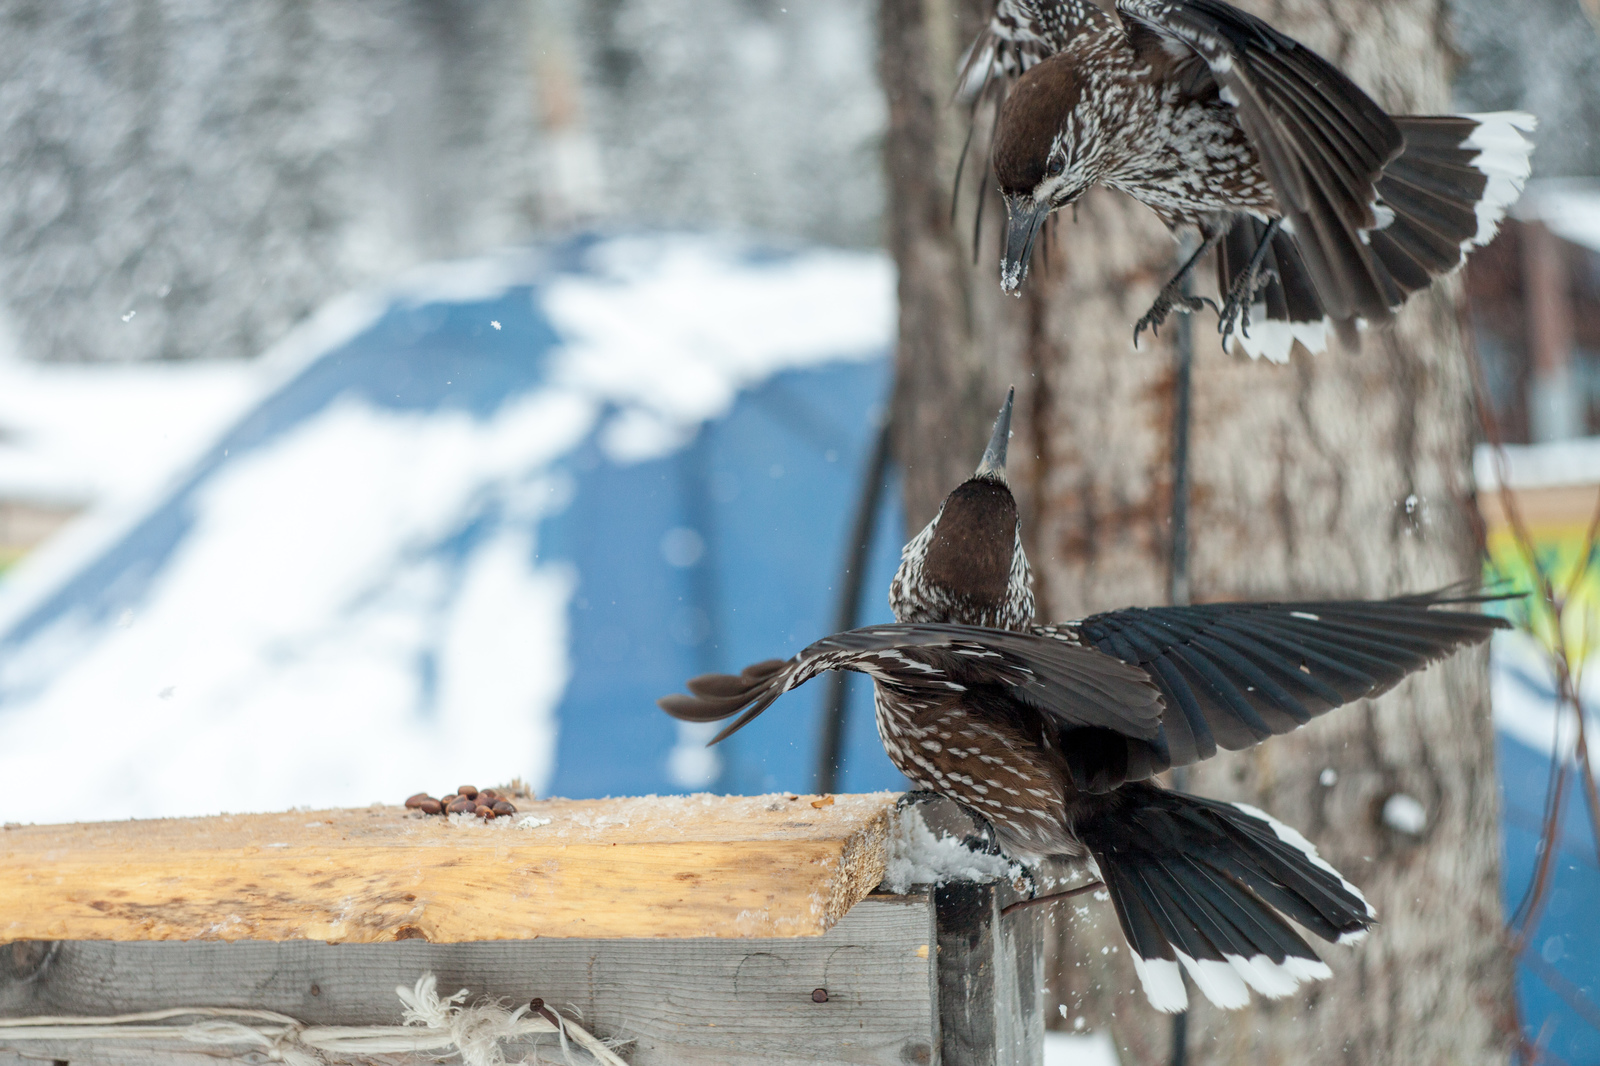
673,866
713,1001
701,929
991,977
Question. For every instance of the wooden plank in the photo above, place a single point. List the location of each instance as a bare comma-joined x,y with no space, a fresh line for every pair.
675,866
991,978
714,1001
1542,507
1020,984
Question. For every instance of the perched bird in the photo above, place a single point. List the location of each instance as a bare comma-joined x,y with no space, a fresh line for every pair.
1324,210
1052,734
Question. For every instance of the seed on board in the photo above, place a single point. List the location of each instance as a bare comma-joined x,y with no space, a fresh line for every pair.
501,807
462,806
468,791
484,812
430,806
416,801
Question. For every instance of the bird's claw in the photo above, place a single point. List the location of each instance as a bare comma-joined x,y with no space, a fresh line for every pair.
1235,312
914,797
982,844
981,839
1170,299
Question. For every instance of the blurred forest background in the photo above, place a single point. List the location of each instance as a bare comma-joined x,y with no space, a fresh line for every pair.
220,169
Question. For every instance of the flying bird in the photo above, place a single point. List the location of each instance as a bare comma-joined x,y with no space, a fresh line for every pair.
1324,210
1051,734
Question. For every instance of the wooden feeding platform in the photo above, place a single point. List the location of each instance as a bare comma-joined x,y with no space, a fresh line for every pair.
697,929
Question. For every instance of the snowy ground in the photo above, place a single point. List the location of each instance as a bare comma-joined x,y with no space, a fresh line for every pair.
1079,1049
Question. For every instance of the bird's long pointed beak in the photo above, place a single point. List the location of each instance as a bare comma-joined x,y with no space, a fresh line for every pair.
1024,217
994,456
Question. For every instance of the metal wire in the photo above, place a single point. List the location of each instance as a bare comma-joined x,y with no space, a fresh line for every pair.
1178,591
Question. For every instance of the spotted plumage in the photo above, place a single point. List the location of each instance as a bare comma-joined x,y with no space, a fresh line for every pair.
1052,734
1324,210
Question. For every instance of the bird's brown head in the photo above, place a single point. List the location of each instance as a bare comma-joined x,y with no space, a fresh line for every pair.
967,566
1046,153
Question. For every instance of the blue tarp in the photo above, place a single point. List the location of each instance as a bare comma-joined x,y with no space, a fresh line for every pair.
765,491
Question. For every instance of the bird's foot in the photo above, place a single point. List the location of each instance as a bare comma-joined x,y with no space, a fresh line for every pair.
1235,312
915,797
981,840
982,843
1170,299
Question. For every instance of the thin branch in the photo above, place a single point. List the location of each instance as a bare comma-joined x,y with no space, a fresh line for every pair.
1561,663
1570,994
1038,901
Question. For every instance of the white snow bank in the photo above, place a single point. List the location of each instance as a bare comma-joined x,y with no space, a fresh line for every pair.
1522,693
1570,207
1079,1049
309,642
669,332
274,662
918,857
1532,466
80,434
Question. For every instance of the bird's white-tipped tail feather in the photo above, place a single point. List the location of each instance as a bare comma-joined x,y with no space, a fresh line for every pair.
1295,839
1227,982
1273,340
1505,157
1207,888
1162,982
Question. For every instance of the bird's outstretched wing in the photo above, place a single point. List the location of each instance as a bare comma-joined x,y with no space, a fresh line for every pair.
1072,684
1233,674
1021,33
1323,143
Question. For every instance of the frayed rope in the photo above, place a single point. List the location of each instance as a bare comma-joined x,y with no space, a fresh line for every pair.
432,1023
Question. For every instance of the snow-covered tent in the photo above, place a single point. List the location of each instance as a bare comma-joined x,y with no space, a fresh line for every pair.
469,528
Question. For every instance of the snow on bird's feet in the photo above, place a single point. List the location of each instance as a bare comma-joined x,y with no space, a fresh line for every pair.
918,856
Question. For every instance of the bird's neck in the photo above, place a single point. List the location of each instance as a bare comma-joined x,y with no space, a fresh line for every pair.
915,598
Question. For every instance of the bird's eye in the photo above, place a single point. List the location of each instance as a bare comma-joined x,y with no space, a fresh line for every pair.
1056,165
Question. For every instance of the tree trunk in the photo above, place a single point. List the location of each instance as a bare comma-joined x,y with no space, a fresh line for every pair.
1344,474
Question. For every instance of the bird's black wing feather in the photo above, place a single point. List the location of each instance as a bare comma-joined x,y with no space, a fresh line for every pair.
1074,685
1323,143
1233,674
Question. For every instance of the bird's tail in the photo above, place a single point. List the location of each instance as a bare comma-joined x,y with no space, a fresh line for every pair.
1442,196
1207,885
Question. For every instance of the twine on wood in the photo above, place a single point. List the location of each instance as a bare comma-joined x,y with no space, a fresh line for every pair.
432,1023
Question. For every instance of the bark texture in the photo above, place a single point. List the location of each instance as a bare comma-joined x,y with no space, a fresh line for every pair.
1346,474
